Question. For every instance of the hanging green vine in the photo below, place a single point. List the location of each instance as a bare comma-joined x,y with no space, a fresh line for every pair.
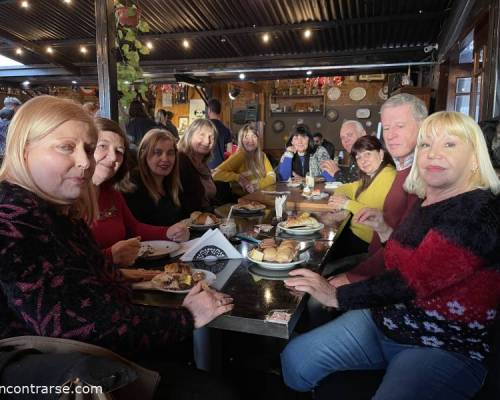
131,81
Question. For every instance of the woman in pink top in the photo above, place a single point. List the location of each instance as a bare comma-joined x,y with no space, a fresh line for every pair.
116,230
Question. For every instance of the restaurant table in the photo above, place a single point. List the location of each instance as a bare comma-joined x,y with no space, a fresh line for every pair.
295,200
256,292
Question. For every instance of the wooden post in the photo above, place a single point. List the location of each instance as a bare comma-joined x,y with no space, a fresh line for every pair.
106,58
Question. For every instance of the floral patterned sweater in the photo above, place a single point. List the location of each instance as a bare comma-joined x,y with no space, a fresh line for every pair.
54,281
442,284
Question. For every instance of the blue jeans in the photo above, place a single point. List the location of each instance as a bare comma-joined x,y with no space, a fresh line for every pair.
353,342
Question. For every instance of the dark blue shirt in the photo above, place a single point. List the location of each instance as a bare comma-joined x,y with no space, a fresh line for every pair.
223,137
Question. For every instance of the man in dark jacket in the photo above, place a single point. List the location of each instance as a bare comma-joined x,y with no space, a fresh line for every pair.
319,140
223,134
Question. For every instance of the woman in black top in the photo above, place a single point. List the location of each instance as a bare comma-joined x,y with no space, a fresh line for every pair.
155,199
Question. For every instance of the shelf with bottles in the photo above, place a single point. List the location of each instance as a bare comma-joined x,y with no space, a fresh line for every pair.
296,104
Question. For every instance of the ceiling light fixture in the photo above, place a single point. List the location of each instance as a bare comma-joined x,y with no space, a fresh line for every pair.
49,50
67,1
234,92
265,37
83,50
186,44
309,72
25,4
307,33
74,82
149,45
26,83
242,76
19,51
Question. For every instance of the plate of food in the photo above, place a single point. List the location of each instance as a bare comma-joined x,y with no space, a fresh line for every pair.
248,207
303,224
332,185
157,248
176,278
280,256
314,194
201,221
293,184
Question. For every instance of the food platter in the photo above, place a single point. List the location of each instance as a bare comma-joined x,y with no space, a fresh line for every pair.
157,248
255,209
303,257
301,231
149,285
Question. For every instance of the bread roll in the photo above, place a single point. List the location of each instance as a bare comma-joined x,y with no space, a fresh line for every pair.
194,216
177,268
285,255
270,254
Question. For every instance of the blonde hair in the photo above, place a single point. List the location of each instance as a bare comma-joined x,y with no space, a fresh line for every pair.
465,128
185,143
254,161
173,180
34,120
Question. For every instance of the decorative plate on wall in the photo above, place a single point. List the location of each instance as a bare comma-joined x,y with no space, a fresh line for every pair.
333,93
332,115
278,126
363,113
383,93
358,93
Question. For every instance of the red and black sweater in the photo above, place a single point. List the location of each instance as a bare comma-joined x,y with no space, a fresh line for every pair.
442,284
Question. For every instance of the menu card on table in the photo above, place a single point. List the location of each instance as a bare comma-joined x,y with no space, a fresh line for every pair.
212,245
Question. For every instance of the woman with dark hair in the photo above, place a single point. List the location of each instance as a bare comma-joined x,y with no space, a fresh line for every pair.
165,121
116,230
139,122
377,173
301,157
156,196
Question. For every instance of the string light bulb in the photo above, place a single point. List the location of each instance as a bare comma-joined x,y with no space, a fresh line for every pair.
67,1
25,4
265,37
242,76
83,50
19,51
185,43
149,45
307,33
50,50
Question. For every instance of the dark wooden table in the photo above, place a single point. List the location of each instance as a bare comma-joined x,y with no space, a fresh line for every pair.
257,292
295,201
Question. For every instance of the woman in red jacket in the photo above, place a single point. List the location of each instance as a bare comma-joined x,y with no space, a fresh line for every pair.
116,230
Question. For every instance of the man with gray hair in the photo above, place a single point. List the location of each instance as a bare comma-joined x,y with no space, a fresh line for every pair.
401,116
12,103
350,131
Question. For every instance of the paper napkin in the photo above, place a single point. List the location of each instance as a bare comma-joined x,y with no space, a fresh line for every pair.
212,245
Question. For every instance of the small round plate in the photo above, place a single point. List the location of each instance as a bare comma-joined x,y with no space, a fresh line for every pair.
332,185
303,257
333,93
320,196
332,115
357,94
157,248
278,126
301,231
267,274
149,285
195,227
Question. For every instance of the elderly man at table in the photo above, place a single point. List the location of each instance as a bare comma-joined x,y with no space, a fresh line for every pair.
401,117
350,131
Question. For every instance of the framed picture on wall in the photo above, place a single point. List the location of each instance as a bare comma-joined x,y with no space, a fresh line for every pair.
183,124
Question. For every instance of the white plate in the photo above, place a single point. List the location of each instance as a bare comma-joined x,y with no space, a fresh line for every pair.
320,196
294,185
333,93
157,248
301,231
333,185
195,227
358,93
303,257
148,285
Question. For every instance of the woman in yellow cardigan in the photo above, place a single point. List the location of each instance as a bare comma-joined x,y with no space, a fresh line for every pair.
249,166
377,173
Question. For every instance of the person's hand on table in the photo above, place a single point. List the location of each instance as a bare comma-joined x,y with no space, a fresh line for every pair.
296,178
329,166
125,252
374,219
206,304
338,280
178,232
305,280
139,274
337,201
246,184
